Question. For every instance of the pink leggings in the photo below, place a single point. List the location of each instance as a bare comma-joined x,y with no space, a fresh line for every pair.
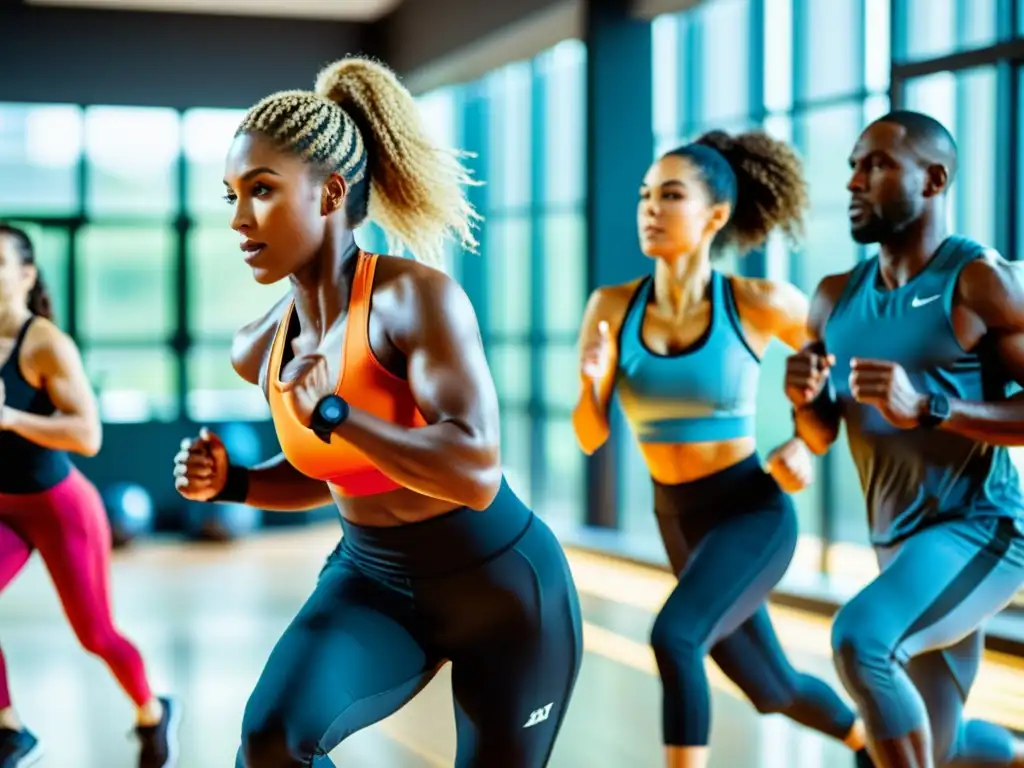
68,525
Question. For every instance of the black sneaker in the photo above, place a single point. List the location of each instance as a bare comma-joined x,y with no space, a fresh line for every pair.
159,742
19,749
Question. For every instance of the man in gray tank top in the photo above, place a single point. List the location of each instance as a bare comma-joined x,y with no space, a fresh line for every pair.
916,348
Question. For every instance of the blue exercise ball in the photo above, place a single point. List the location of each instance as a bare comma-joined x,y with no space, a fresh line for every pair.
242,443
226,522
130,512
221,522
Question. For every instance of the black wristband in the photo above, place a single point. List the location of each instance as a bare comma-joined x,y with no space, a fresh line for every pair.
236,487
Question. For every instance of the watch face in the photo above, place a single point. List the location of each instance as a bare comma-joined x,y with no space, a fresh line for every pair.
330,410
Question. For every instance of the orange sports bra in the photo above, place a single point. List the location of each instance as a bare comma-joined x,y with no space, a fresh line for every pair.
363,382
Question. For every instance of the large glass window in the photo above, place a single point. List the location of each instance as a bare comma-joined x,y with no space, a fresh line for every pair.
134,383
508,265
877,52
563,74
126,316
832,47
510,366
938,27
438,113
725,53
529,283
670,72
965,102
516,430
40,147
564,238
215,391
222,293
827,138
509,136
126,286
562,499
778,54
206,137
132,154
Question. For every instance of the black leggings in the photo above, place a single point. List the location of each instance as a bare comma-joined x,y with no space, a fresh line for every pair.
489,591
730,538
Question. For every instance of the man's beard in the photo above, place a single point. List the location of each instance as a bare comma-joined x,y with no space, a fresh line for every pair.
895,218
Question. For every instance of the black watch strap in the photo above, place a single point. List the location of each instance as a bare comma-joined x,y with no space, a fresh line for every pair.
329,413
938,411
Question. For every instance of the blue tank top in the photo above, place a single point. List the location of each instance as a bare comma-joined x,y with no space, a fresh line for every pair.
26,467
916,477
706,393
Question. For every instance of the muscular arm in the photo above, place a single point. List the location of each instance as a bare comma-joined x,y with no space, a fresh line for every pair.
279,487
992,291
75,426
457,456
275,484
590,416
817,424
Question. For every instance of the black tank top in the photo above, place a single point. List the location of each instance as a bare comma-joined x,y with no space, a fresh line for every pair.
26,467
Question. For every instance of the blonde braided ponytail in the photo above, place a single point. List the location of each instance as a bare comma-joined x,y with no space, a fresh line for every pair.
362,123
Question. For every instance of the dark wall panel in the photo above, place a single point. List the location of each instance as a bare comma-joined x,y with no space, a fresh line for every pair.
162,59
185,60
419,32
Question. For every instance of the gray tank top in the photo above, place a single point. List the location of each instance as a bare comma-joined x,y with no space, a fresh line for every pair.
916,477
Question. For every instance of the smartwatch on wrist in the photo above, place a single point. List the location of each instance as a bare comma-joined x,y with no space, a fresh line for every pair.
938,411
329,413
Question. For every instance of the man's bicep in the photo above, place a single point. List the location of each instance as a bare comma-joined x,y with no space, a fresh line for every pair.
1009,348
823,301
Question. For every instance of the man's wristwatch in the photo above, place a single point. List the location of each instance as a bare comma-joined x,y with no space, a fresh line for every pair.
937,412
329,413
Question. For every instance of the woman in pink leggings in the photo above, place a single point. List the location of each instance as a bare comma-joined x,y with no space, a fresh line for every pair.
47,409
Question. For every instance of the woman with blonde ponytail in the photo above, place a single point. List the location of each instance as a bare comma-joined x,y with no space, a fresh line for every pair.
383,403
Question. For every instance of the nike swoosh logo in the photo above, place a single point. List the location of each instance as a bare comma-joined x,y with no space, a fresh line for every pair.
921,302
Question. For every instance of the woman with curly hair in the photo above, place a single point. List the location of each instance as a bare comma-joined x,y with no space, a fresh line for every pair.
682,349
383,404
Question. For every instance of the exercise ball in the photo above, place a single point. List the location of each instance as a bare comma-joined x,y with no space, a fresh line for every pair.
241,442
130,512
222,522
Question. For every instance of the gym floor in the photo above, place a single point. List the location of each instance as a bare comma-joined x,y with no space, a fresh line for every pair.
206,617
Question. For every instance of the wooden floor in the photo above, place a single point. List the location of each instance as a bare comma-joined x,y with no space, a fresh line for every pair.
206,618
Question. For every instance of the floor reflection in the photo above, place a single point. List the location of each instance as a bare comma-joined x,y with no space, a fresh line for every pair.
206,618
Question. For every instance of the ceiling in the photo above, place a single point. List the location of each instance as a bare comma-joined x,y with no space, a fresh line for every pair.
333,10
